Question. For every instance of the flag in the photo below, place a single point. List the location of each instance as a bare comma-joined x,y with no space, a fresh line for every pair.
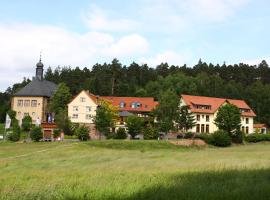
8,122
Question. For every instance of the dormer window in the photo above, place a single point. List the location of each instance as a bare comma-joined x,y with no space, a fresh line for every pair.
122,104
138,105
133,105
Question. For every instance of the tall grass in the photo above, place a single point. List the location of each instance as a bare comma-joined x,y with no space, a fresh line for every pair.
106,170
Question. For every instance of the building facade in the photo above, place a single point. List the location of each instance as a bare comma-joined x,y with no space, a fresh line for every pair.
205,110
33,99
82,109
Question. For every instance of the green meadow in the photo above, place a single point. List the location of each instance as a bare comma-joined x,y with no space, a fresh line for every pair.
133,170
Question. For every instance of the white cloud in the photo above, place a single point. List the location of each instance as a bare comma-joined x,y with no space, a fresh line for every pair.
102,20
21,44
170,57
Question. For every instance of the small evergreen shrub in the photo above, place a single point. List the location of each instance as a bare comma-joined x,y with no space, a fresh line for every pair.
82,133
26,123
56,133
36,134
188,135
150,133
220,138
14,134
120,134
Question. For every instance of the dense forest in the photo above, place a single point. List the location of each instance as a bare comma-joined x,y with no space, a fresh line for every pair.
239,81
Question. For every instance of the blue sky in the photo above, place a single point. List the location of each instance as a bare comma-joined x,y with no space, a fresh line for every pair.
81,33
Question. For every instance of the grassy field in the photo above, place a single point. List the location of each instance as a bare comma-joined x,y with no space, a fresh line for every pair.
133,170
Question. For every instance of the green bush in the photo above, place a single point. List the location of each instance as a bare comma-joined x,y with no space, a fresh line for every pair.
238,137
56,133
36,134
220,138
82,133
188,135
120,134
205,137
14,134
150,133
255,137
26,123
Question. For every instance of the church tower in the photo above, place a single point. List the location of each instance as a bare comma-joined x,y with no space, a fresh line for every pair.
39,70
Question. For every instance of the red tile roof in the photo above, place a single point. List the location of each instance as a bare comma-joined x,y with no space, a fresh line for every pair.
260,126
201,104
147,104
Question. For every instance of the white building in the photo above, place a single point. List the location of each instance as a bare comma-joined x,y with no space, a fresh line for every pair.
205,110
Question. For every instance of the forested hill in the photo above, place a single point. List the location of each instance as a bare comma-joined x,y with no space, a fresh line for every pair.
239,81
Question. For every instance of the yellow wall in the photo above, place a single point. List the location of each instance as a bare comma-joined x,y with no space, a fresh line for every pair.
82,111
34,112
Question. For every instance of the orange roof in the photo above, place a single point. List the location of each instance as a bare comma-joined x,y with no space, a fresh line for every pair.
201,104
140,104
260,126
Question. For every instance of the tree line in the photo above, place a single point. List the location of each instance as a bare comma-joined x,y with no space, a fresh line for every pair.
238,81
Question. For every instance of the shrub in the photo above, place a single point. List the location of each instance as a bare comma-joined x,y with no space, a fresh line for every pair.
238,137
188,135
150,133
36,134
83,133
205,137
120,134
26,123
255,137
220,138
56,133
14,134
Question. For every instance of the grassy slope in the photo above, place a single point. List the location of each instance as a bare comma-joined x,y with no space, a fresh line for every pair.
140,170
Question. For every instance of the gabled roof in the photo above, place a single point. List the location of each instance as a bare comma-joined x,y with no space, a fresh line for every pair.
38,88
213,104
147,104
93,97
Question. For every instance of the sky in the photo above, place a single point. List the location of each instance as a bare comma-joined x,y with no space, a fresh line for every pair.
85,32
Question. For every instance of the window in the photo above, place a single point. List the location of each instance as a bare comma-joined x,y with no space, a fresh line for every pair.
198,118
20,103
88,116
202,116
82,99
198,128
34,103
207,118
88,108
26,103
75,108
122,104
75,116
247,120
243,129
25,114
207,128
133,105
247,131
138,105
202,128
33,114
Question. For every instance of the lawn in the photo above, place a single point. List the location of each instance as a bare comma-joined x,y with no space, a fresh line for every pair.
133,170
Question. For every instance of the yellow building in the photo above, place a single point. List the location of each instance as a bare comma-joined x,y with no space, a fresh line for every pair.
33,99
